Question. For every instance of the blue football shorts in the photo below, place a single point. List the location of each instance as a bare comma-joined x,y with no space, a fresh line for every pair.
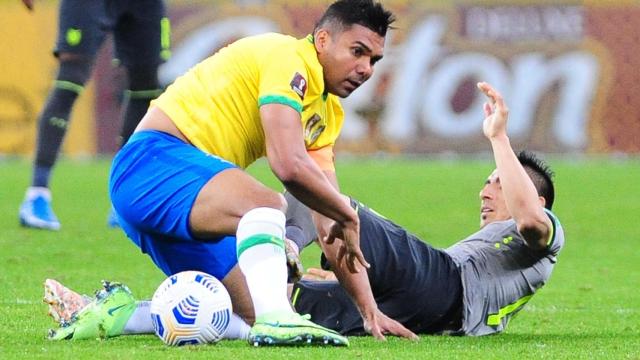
155,179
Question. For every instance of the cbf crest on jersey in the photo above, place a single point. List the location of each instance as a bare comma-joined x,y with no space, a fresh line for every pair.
299,85
313,128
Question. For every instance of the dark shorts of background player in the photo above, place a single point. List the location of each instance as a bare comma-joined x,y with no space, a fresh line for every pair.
136,26
412,282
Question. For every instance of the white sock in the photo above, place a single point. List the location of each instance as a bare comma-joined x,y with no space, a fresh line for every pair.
238,329
36,191
262,259
140,321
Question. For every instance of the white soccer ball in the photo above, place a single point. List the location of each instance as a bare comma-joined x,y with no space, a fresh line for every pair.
191,307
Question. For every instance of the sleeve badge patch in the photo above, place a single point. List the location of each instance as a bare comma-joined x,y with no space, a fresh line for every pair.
299,85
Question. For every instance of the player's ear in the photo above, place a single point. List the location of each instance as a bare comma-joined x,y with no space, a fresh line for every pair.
321,39
543,201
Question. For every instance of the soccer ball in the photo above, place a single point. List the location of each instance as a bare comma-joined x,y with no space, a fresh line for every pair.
190,307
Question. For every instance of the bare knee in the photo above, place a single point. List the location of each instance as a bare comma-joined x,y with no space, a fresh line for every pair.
71,57
272,200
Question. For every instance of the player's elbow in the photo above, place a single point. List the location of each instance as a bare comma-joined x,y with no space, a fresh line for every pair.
287,170
535,232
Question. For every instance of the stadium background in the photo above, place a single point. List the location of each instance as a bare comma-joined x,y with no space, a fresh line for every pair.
567,70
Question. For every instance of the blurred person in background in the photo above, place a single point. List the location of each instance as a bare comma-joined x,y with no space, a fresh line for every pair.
141,40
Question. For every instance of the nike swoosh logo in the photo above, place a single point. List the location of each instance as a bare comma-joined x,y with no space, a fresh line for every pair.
112,310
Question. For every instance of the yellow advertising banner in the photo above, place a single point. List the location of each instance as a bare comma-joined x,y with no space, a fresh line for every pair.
568,69
28,69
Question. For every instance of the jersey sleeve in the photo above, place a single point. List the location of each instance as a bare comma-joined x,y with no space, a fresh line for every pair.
556,240
283,79
324,158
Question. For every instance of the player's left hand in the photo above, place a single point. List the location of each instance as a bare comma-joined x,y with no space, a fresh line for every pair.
379,324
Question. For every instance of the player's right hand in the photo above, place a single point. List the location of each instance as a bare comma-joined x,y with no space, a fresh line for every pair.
28,4
378,324
349,250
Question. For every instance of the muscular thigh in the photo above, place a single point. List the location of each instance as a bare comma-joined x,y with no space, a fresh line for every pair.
161,185
155,180
140,30
80,30
226,198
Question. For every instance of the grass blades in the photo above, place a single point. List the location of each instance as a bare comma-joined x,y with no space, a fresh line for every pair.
589,309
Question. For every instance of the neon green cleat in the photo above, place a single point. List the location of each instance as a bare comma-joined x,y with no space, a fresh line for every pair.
104,317
279,329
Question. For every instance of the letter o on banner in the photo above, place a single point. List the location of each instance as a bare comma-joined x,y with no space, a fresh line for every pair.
437,113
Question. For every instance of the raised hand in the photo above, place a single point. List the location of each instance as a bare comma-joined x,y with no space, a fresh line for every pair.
496,112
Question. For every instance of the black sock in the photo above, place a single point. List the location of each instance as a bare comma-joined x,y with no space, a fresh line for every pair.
54,119
52,126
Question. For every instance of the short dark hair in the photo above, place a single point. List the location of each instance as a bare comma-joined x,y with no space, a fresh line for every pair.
367,13
540,174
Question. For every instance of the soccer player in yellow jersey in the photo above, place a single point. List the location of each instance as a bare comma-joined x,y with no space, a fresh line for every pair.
183,197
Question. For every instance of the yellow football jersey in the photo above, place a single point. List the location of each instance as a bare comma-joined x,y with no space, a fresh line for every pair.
216,103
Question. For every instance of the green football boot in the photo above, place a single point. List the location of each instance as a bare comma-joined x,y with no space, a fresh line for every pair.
288,328
104,317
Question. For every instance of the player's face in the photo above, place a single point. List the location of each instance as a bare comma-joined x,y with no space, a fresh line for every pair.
348,57
492,204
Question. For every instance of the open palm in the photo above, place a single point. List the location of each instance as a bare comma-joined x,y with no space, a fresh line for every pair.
496,112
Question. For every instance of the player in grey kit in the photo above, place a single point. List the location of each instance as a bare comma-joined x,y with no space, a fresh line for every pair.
471,288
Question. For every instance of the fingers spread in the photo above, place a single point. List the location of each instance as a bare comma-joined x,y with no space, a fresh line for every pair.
313,274
342,251
487,109
488,91
314,271
351,263
375,331
361,259
404,332
329,239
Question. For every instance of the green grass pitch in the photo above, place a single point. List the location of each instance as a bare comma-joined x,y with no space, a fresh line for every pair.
589,309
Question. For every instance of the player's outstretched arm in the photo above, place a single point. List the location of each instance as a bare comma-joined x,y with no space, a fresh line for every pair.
302,177
521,196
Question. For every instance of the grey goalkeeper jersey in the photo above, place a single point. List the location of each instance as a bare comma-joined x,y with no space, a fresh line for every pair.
500,273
